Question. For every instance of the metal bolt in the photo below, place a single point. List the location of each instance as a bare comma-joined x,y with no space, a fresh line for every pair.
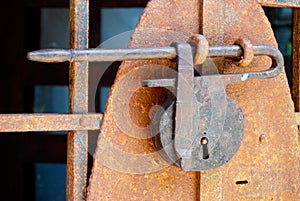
263,138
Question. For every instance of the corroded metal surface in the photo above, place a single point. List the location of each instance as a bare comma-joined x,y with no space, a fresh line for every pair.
297,114
78,103
280,3
200,43
296,59
248,52
213,111
48,122
185,103
169,183
265,167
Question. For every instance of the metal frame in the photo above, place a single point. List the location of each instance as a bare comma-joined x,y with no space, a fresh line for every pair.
296,59
79,121
78,102
280,3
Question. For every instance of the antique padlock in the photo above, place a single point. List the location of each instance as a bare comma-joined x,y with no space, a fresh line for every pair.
202,128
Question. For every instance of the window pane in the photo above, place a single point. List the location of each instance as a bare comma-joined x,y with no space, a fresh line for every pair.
50,182
54,28
281,20
51,99
118,20
114,21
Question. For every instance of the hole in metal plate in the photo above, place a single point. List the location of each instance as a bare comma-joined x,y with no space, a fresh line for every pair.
242,182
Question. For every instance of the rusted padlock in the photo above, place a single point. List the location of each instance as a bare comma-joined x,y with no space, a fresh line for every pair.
202,128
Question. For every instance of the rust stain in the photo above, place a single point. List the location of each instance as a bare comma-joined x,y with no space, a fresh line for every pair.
264,171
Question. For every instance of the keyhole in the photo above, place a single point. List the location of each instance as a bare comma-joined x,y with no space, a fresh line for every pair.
204,143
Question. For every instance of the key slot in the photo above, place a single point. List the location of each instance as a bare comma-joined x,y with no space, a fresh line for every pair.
204,143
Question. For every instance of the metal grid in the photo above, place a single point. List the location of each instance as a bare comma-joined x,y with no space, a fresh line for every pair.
79,121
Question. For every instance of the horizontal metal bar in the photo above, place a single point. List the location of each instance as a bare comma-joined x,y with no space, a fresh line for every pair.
56,122
101,55
272,52
280,3
49,122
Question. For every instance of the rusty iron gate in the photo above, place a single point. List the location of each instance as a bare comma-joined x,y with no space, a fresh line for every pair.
186,16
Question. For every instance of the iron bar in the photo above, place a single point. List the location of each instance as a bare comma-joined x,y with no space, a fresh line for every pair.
272,52
49,122
78,103
98,55
296,59
101,55
280,3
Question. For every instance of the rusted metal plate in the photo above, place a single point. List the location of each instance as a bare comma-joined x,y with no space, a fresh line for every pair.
160,24
78,102
280,3
265,167
49,122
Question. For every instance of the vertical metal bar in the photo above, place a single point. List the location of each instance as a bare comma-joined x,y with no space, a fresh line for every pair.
78,102
296,59
213,16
